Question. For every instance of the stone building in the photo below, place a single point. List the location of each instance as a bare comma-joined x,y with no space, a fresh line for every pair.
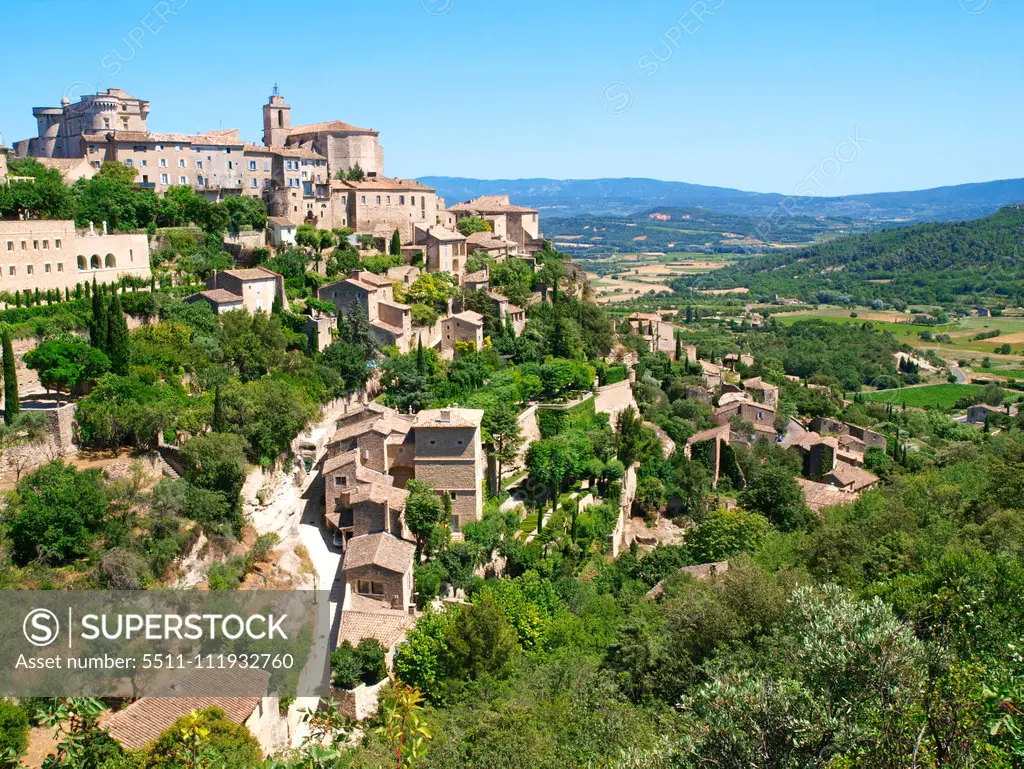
762,391
379,566
465,326
516,224
390,321
476,281
51,254
507,311
378,206
344,145
449,457
60,129
256,287
445,250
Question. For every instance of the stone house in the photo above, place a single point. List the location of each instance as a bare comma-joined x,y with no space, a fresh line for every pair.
257,287
506,310
444,250
867,438
390,321
380,567
516,224
282,231
52,254
476,281
219,299
465,326
449,457
486,242
979,413
850,478
762,391
378,206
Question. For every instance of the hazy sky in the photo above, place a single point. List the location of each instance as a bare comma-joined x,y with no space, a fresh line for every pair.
845,96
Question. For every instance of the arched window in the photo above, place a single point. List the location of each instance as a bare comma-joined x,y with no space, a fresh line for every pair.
280,118
94,261
109,261
82,264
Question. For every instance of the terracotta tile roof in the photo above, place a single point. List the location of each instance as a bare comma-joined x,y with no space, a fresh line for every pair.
220,296
853,477
455,416
388,627
225,137
282,221
709,368
391,424
469,316
251,273
341,460
386,183
444,235
491,204
706,435
500,298
486,239
819,495
376,492
380,549
330,126
139,724
514,310
371,278
728,398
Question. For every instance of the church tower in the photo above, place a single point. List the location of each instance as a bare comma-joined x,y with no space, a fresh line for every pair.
277,120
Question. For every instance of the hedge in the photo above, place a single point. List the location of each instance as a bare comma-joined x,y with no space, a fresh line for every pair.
556,421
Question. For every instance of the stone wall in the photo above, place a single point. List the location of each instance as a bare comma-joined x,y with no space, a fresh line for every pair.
530,431
59,442
359,703
613,398
619,537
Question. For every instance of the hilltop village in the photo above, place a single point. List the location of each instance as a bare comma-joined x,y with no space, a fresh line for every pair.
270,366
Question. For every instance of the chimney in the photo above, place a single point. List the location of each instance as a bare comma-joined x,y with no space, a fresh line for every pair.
446,416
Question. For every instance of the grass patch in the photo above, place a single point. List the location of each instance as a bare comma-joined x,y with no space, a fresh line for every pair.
943,396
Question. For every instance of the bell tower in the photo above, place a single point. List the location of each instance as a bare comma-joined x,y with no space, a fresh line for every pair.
277,120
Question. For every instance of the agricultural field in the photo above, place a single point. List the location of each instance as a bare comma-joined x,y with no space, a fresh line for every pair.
627,276
943,396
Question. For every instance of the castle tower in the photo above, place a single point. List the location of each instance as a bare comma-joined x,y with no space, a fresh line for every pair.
277,120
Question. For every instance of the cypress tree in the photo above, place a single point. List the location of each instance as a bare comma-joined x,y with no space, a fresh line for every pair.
17,298
118,348
446,502
12,406
396,244
98,323
152,283
679,347
421,360
219,422
67,294
37,296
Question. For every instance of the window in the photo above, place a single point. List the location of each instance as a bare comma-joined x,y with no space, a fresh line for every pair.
24,245
28,269
106,122
10,245
401,200
252,165
124,123
177,147
182,180
363,587
230,165
181,163
46,268
455,523
376,588
11,270
388,200
164,179
362,199
130,163
255,182
56,244
46,245
266,165
340,480
163,162
199,164
60,266
412,199
143,162
378,200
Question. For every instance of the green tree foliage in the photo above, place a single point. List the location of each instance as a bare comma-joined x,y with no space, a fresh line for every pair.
13,729
216,462
352,665
12,404
208,735
64,363
118,349
395,249
423,511
774,493
725,533
55,514
42,196
470,224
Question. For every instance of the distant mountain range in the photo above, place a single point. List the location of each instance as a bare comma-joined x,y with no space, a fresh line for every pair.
622,197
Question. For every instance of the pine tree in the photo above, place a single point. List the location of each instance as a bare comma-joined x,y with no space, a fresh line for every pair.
219,421
98,322
12,406
689,314
118,347
396,244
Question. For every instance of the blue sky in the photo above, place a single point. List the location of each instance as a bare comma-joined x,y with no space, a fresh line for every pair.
823,96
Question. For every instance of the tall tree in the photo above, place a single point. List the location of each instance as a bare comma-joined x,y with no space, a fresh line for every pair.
118,346
12,406
504,435
396,243
98,321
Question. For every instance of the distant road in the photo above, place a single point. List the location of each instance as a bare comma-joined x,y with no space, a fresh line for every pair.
961,377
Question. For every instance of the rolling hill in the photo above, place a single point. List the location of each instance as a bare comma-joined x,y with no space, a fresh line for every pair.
573,197
968,262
